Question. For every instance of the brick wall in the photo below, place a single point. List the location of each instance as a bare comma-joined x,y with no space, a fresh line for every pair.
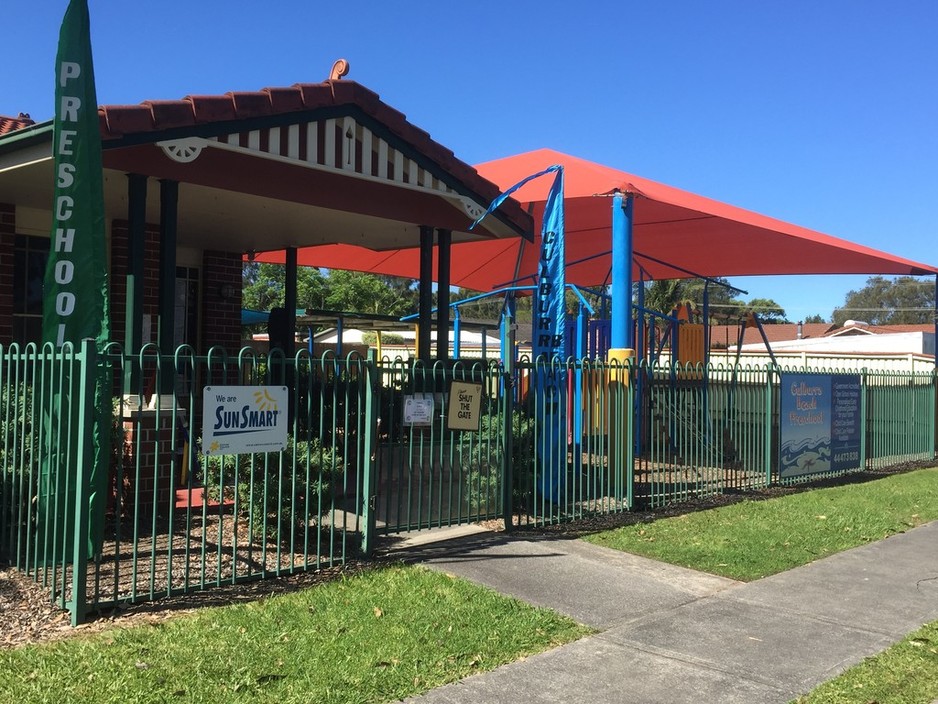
151,450
7,231
118,284
221,316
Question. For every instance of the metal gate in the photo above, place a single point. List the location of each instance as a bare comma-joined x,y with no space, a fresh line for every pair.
441,441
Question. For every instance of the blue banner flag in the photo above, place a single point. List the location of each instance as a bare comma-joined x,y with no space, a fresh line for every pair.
548,344
549,310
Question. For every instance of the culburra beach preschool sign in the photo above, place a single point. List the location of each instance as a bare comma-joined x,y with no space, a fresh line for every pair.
819,424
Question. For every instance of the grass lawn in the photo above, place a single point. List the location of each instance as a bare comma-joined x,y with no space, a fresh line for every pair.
381,636
393,632
754,539
906,673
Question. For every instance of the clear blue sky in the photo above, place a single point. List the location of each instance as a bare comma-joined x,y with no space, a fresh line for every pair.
821,113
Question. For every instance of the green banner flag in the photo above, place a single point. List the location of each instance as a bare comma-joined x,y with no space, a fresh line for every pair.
75,289
75,305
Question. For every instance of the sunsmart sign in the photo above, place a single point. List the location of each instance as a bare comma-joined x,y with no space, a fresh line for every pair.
244,419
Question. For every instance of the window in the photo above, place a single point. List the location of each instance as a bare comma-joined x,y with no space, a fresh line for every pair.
30,255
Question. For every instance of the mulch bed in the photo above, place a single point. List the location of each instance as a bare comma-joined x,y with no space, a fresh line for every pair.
27,615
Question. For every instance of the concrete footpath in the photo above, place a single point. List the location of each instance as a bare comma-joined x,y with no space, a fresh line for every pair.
669,634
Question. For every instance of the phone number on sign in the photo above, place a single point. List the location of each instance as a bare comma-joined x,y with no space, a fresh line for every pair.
846,456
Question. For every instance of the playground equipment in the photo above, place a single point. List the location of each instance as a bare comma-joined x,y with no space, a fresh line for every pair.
682,337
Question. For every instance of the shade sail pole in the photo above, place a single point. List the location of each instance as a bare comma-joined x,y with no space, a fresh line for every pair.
621,337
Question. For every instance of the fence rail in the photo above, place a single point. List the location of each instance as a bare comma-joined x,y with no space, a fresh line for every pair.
378,447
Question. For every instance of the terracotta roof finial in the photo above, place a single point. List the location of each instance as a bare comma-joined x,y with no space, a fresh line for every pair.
339,69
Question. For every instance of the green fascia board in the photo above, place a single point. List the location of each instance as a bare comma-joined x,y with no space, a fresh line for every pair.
26,137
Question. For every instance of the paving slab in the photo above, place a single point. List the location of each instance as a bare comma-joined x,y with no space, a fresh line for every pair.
674,635
596,586
599,671
786,650
890,586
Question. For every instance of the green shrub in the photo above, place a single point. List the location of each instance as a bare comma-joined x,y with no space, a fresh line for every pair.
482,480
278,492
388,338
16,427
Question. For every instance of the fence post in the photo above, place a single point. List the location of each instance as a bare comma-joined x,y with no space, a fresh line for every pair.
369,456
634,373
7,466
88,364
934,411
767,453
863,419
508,440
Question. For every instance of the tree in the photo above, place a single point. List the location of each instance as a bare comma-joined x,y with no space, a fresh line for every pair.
264,286
816,318
370,293
489,308
722,304
336,289
662,295
902,301
768,310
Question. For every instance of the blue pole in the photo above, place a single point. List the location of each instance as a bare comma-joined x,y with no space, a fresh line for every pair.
508,339
621,271
640,351
582,325
457,332
340,333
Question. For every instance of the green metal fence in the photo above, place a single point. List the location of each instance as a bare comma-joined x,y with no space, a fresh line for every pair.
702,431
675,433
900,417
175,520
434,469
572,455
44,408
375,447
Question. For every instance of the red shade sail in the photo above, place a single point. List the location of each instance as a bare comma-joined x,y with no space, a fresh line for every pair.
674,233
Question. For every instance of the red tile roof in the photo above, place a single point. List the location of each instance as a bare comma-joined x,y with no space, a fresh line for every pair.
11,124
727,335
152,116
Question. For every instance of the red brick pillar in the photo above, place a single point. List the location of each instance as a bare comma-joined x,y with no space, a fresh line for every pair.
118,284
149,450
221,301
